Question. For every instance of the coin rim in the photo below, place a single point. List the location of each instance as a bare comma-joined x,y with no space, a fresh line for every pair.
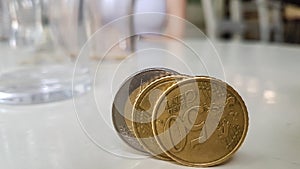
128,79
205,164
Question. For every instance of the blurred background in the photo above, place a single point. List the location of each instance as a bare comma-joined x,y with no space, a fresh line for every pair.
260,20
31,23
41,39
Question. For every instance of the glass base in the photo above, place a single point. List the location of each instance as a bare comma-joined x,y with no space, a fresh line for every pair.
42,85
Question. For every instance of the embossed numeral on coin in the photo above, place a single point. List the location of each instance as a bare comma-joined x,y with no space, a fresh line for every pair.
178,125
185,124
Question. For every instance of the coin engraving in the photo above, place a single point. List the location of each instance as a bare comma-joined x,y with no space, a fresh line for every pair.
142,113
174,104
229,122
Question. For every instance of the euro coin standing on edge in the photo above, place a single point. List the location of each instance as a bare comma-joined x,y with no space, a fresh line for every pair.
200,121
195,121
123,102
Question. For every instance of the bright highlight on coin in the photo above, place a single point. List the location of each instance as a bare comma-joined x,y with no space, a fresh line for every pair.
194,121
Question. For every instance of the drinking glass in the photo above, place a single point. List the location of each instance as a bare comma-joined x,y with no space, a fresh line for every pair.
73,22
31,73
26,25
4,20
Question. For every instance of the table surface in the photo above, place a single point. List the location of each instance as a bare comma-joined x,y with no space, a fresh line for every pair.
265,75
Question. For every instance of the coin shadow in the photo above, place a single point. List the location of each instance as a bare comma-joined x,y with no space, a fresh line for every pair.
239,158
242,158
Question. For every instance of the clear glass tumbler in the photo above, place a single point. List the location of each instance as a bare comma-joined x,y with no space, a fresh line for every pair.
4,20
26,22
31,73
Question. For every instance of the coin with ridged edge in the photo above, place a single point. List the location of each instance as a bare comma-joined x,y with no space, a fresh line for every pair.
142,113
122,100
200,121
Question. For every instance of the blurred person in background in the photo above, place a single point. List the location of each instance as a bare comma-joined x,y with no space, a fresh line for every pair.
113,9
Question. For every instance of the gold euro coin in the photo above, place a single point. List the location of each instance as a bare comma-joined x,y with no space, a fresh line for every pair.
142,113
125,98
200,121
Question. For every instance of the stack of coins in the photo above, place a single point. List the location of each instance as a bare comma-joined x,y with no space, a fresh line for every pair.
192,120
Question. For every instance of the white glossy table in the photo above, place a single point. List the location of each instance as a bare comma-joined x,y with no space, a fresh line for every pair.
49,136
